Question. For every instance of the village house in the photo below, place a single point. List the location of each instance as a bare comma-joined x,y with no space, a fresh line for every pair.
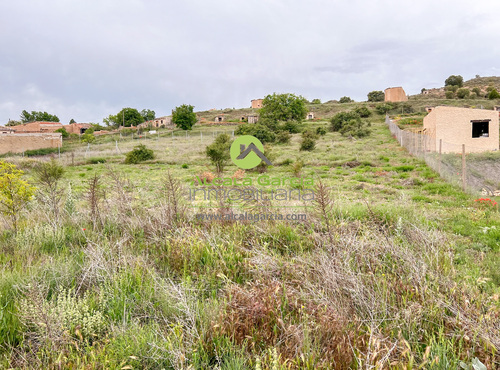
395,94
37,127
257,103
77,128
157,122
452,127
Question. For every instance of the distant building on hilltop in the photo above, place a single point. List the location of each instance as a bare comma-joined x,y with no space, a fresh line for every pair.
476,128
257,103
395,94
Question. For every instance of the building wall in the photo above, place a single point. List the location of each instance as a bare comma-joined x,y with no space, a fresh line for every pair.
38,127
453,126
18,143
257,103
395,94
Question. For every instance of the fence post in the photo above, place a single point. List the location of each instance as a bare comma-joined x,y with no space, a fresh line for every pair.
440,152
464,174
201,137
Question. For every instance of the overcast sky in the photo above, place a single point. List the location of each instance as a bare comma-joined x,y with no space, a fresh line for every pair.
88,59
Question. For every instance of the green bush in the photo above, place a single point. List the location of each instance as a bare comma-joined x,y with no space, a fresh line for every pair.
339,119
355,128
384,108
292,127
261,132
184,166
96,160
449,94
63,131
283,137
463,93
140,153
363,112
321,131
310,134
345,99
307,144
376,96
316,101
454,81
494,94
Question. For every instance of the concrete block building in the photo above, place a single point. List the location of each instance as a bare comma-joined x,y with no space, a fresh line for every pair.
478,129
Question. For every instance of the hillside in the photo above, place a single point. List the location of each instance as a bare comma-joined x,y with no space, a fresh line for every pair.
392,268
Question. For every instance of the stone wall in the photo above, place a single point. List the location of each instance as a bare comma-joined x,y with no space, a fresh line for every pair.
257,103
19,143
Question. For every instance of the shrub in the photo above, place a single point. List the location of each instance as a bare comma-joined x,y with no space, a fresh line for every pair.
96,160
463,93
184,166
477,91
355,128
345,99
292,127
384,108
283,137
307,144
316,101
321,131
297,168
363,112
310,134
449,94
218,151
494,94
63,131
88,137
376,96
340,118
258,130
140,153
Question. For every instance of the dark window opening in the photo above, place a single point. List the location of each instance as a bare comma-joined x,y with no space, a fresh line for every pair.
480,129
82,131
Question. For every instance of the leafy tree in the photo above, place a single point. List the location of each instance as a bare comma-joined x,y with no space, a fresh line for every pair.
63,131
349,124
218,151
376,96
88,137
140,153
15,193
13,123
184,117
316,101
148,114
127,117
463,93
454,81
494,94
72,121
345,99
283,107
38,116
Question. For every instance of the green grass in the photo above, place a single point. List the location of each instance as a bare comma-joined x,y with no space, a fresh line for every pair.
403,260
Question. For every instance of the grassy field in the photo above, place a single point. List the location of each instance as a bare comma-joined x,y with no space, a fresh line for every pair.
393,267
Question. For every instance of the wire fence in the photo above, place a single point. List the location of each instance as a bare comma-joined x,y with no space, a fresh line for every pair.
474,170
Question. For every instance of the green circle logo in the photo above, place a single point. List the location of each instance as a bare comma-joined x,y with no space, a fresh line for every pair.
247,152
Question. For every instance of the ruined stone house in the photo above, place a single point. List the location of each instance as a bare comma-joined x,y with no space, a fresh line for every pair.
395,94
38,127
478,129
77,128
157,122
19,142
257,103
219,118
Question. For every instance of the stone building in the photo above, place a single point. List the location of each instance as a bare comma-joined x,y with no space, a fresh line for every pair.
20,142
252,118
157,122
310,115
257,103
77,128
476,128
395,94
38,127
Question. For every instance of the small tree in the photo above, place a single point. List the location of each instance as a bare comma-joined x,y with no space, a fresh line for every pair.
15,193
88,137
49,175
72,121
376,96
218,151
283,107
316,101
454,81
345,99
184,117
